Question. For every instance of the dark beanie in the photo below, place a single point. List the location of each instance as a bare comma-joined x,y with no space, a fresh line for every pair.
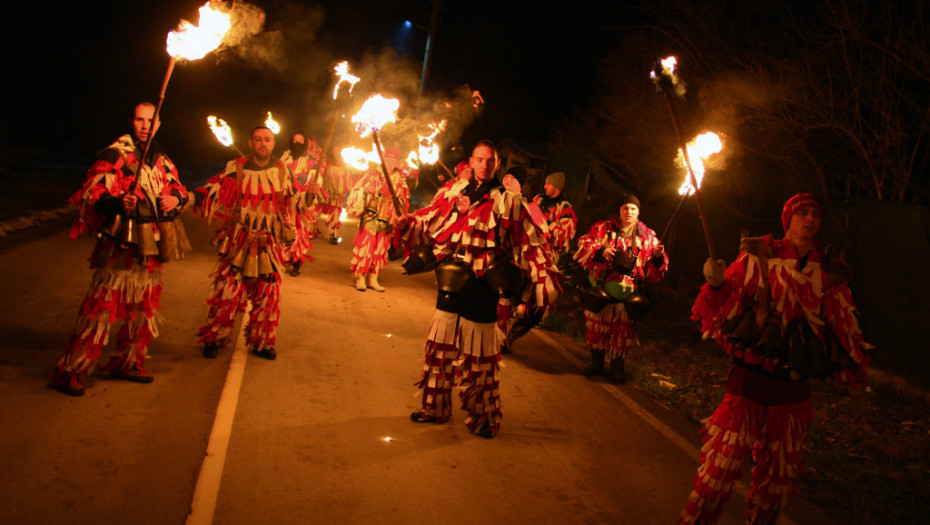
519,173
629,198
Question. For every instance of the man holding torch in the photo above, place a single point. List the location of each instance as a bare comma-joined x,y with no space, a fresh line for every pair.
302,158
784,313
370,251
621,256
481,232
127,280
249,203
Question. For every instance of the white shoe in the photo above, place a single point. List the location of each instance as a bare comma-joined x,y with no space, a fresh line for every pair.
360,283
373,282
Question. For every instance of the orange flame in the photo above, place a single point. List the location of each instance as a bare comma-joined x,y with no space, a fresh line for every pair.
221,130
342,71
477,99
668,68
376,112
428,149
193,42
699,149
272,124
356,158
413,160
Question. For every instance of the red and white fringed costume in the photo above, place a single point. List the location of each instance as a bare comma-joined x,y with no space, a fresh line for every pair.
611,330
560,219
332,199
249,204
124,286
462,341
766,410
374,236
303,212
561,224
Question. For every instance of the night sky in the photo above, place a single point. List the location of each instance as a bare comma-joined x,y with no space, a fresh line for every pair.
74,71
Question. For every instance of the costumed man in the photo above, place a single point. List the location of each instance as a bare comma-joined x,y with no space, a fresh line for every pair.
513,182
248,203
370,251
620,256
302,158
123,201
333,197
560,216
783,312
489,243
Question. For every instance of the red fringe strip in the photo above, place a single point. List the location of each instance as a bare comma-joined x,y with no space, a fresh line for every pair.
370,252
133,297
610,330
774,435
479,365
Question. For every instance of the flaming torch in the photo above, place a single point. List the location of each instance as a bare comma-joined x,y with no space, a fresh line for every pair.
223,133
663,74
699,149
272,124
428,150
355,157
188,42
377,112
342,73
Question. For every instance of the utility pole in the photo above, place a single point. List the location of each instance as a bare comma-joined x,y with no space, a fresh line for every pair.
434,21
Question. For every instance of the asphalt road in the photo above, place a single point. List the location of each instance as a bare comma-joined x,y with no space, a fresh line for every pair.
322,434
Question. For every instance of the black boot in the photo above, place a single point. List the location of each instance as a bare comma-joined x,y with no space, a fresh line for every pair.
597,364
296,270
617,374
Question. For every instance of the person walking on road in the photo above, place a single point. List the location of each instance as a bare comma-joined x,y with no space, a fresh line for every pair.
302,159
249,202
480,232
621,255
132,208
783,313
373,240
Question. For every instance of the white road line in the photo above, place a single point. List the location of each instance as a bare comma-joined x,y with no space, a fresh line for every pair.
659,426
739,487
203,505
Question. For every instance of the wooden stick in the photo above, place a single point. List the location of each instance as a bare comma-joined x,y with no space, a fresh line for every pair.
387,176
697,192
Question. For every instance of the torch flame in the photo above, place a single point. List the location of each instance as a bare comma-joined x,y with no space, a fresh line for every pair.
376,112
194,42
355,157
477,99
413,160
429,150
272,124
342,71
703,146
669,64
665,76
221,130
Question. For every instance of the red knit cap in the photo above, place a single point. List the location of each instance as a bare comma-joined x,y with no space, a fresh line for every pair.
792,205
